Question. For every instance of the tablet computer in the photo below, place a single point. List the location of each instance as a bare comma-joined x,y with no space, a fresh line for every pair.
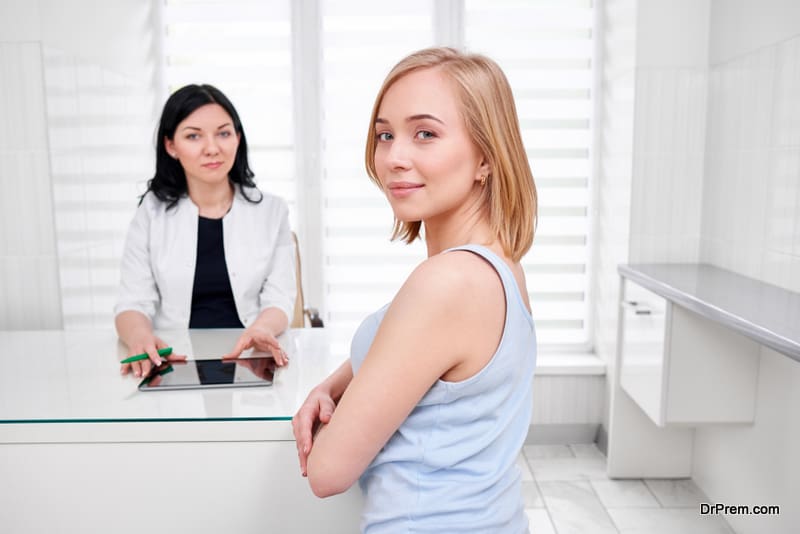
218,373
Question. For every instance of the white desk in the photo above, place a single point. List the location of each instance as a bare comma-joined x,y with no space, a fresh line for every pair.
82,450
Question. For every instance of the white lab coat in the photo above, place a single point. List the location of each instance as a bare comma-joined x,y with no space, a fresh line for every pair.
158,263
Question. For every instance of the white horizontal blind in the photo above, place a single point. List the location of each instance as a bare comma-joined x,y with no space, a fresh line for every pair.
545,47
242,47
100,145
362,270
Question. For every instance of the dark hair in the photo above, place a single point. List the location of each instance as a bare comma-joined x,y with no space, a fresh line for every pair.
169,182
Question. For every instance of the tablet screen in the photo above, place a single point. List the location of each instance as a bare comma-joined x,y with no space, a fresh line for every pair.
210,374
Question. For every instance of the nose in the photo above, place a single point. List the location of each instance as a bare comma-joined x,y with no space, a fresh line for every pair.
398,155
211,146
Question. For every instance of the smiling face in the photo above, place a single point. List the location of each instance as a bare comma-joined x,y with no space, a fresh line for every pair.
425,160
205,144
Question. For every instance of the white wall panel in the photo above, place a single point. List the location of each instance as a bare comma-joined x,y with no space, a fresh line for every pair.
28,261
19,20
742,26
568,399
757,464
751,225
30,289
669,138
751,207
672,34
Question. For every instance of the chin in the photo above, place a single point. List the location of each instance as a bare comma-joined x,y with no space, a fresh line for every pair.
407,216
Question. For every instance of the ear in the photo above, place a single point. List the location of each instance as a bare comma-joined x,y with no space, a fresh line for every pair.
169,146
484,169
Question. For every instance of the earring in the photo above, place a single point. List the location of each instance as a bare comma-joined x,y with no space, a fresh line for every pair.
483,180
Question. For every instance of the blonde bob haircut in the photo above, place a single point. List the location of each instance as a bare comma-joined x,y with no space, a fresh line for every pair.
490,116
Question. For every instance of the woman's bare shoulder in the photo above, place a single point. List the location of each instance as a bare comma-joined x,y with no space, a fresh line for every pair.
455,282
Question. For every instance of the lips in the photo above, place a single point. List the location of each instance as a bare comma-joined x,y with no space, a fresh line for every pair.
401,186
212,165
403,189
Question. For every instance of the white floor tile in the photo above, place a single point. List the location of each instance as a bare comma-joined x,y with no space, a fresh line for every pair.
566,469
566,491
676,493
531,495
666,521
535,452
575,509
586,450
539,522
624,494
527,476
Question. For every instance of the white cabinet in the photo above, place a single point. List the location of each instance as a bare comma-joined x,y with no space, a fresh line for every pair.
644,317
681,368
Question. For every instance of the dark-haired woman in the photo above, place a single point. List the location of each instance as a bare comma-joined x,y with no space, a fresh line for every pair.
206,248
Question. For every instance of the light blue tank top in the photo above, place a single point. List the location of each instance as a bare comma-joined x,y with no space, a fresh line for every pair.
450,467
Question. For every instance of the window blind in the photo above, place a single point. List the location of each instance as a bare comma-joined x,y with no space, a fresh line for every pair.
362,269
242,47
99,135
245,48
545,47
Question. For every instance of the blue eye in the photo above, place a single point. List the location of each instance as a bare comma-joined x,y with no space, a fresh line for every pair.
425,134
225,133
193,136
384,136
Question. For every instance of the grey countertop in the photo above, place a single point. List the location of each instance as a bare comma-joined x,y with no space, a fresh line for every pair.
766,313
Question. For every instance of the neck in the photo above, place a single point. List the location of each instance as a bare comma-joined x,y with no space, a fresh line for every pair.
468,224
212,200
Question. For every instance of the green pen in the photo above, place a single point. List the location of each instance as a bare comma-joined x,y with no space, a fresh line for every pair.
161,352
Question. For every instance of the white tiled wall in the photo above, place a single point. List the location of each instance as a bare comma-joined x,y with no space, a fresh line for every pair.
669,133
751,207
671,83
742,26
672,34
751,225
28,261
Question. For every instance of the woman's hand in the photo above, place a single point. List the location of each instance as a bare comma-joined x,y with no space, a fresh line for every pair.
261,339
147,343
315,412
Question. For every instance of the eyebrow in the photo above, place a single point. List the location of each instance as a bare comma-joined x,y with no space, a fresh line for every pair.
412,118
198,129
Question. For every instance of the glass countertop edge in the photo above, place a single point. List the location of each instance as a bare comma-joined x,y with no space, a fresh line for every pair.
145,420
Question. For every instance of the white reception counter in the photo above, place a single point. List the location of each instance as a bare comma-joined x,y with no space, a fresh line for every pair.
82,450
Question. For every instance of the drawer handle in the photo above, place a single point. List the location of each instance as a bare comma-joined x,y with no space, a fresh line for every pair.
636,307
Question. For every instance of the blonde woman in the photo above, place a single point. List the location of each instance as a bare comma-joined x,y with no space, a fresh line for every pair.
434,405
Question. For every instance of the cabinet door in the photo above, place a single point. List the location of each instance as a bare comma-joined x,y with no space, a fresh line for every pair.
645,321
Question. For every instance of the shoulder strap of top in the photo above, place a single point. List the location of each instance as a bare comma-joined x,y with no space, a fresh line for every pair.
510,286
499,265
